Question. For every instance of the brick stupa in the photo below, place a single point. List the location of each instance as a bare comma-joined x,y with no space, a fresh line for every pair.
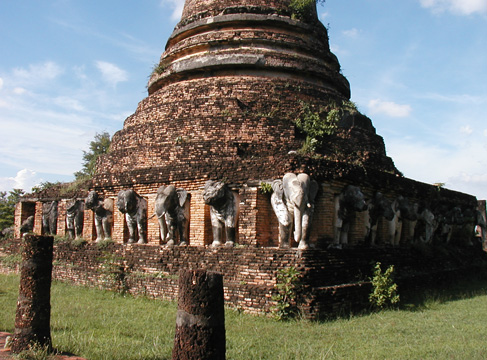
224,101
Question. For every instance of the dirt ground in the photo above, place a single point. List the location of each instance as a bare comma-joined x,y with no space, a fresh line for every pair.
5,354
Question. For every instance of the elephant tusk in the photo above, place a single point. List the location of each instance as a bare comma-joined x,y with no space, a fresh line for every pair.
152,216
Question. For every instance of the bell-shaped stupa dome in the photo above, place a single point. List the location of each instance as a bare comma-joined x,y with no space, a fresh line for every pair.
244,90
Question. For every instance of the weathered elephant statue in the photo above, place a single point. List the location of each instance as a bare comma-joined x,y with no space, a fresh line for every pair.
403,211
347,203
448,220
74,218
378,207
172,210
49,217
103,211
426,226
224,209
293,200
27,225
134,207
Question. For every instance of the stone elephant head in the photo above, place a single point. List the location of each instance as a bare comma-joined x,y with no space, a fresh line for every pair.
103,211
293,200
74,218
224,210
134,207
49,217
172,210
347,203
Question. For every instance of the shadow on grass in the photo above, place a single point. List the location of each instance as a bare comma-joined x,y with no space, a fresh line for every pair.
415,297
418,299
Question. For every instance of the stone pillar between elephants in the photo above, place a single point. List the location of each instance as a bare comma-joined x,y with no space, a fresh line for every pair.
32,320
200,322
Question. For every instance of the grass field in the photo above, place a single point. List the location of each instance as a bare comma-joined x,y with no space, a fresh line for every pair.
98,324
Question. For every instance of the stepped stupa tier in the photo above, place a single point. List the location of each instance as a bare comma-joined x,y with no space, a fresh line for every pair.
244,90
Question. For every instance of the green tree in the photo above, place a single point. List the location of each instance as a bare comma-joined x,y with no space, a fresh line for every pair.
99,146
7,207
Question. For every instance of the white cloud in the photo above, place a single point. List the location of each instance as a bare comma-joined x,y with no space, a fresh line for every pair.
25,179
389,108
485,132
19,91
462,99
467,130
38,72
1,83
461,166
177,6
461,7
68,103
111,73
352,33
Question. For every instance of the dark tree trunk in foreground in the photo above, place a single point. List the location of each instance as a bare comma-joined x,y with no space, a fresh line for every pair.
33,317
200,322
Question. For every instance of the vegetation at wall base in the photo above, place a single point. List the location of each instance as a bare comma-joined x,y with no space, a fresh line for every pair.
384,289
104,325
287,286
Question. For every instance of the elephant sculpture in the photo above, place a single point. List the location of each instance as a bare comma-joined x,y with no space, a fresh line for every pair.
27,225
448,220
224,210
103,211
403,211
134,207
293,200
49,217
378,207
426,226
347,203
172,210
74,218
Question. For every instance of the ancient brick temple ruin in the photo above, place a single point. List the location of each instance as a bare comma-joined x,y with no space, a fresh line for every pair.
246,92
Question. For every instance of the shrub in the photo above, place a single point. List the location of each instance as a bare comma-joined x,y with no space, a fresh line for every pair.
287,286
384,289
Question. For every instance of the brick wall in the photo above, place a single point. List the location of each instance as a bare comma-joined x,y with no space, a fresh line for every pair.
333,280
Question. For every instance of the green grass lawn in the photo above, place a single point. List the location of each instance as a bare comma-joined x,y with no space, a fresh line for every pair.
98,324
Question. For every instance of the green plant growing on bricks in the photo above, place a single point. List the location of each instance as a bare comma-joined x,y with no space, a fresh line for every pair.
265,188
384,289
317,124
287,285
303,9
114,272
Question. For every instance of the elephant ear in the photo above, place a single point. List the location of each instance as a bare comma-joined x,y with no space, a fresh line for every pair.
277,188
183,195
121,201
280,209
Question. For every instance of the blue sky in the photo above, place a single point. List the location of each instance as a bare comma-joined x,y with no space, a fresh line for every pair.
72,68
